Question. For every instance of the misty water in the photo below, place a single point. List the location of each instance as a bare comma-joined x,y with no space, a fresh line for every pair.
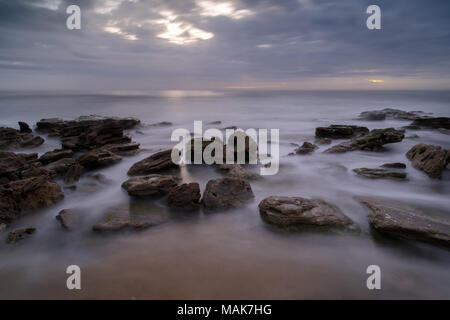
232,254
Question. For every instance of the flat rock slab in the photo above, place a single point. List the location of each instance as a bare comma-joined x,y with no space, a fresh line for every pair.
294,211
55,155
429,158
432,123
185,196
390,114
150,185
337,131
226,193
131,216
155,163
407,221
20,234
377,173
98,159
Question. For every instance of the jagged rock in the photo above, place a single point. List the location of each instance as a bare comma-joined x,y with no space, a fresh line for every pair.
123,149
35,192
61,166
306,148
341,131
237,171
130,217
389,114
376,173
98,159
13,164
14,139
372,142
185,196
20,234
429,158
396,165
294,211
406,221
155,163
9,208
55,155
323,141
73,174
150,185
433,123
226,193
24,127
66,218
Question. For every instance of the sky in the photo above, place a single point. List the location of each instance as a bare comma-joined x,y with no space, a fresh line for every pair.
232,44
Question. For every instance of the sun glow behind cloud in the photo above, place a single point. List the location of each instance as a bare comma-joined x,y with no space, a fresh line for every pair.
118,31
227,9
376,80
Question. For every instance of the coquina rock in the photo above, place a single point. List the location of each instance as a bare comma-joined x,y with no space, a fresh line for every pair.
429,158
155,163
295,211
185,196
406,221
150,185
226,193
374,141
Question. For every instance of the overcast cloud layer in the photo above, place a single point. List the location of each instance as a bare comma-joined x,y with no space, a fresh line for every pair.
206,44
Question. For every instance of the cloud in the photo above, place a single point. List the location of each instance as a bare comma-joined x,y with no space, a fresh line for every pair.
226,9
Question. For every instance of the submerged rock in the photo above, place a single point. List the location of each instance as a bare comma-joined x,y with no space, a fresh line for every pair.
237,171
389,114
323,141
130,216
9,208
294,211
226,193
123,149
55,155
98,159
185,196
432,123
405,221
73,174
66,218
150,185
12,165
20,234
155,163
341,131
14,139
306,148
429,158
372,142
376,173
61,166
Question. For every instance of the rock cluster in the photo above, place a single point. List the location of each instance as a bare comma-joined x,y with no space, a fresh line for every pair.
389,114
14,139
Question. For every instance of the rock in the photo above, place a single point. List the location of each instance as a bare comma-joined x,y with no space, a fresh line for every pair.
185,196
73,174
407,222
61,166
226,193
162,124
396,165
13,164
294,211
100,178
150,185
340,131
433,123
98,159
390,114
33,193
372,142
65,217
429,158
123,149
130,217
14,139
413,136
444,131
9,208
20,234
306,148
323,141
375,173
55,155
237,171
24,127
215,122
155,163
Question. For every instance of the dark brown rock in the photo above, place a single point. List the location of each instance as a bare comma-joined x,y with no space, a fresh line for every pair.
396,165
66,218
123,149
14,139
155,163
377,173
61,166
294,211
73,174
432,123
306,148
340,131
98,159
24,127
407,222
226,193
390,114
20,234
150,185
55,155
429,158
239,172
185,196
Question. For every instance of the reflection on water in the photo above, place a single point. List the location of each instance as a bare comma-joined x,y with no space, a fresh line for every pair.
231,254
